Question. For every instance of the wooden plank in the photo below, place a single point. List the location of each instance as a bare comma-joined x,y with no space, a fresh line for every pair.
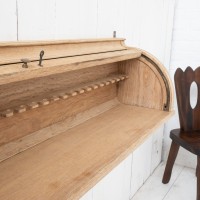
34,90
36,119
15,72
143,88
110,18
18,145
36,19
88,18
8,22
64,94
68,165
157,145
12,52
141,167
154,189
116,185
65,12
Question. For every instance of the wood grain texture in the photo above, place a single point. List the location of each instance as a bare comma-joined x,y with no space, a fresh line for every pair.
165,76
170,162
23,143
68,165
28,122
15,72
143,88
12,52
188,116
21,92
66,94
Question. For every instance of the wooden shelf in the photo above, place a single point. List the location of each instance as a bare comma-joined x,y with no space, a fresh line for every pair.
68,165
14,72
64,95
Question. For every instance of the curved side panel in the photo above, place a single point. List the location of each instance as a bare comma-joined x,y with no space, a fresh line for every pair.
148,85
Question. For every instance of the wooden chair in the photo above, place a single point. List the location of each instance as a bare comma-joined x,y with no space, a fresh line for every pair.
188,136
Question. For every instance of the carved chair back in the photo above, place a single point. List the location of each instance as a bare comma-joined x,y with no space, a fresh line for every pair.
189,117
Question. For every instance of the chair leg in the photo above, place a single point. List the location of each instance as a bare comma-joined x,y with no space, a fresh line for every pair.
198,178
170,162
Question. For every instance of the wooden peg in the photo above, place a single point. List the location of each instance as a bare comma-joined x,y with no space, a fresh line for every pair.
94,86
122,78
117,79
73,93
87,88
106,82
63,96
54,98
80,90
101,84
20,109
7,113
112,81
44,102
33,105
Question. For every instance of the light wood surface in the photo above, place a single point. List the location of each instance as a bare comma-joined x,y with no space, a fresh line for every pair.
149,84
23,143
68,112
34,90
12,52
15,72
22,124
68,165
65,94
143,88
156,65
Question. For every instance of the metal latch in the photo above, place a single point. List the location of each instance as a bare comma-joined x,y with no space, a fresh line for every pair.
25,62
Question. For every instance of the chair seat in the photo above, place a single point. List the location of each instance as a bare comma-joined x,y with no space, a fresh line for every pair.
188,140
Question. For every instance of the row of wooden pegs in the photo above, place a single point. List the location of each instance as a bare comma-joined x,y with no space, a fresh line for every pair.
74,92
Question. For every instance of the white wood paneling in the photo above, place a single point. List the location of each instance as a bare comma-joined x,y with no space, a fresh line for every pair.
88,19
184,187
36,19
116,185
67,19
110,17
76,19
133,14
157,139
153,189
8,20
141,165
156,27
87,196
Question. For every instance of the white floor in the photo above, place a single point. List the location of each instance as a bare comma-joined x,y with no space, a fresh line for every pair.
182,185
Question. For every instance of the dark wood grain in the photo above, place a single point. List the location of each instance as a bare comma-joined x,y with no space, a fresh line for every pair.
170,162
188,135
189,118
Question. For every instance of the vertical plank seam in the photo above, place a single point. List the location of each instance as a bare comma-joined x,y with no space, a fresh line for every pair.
130,184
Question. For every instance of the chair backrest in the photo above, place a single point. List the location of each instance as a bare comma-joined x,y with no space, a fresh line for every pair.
189,117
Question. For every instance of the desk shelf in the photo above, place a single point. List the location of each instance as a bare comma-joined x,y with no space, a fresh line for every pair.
68,165
64,95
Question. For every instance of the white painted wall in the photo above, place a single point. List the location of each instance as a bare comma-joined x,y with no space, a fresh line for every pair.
145,23
185,52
